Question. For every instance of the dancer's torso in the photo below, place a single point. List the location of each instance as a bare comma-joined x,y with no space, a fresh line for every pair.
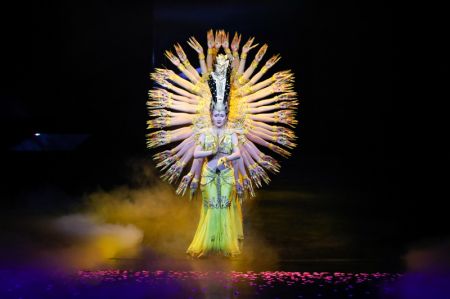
225,147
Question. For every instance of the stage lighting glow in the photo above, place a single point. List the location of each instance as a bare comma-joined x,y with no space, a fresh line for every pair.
37,134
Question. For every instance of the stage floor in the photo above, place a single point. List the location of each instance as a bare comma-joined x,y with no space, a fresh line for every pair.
115,283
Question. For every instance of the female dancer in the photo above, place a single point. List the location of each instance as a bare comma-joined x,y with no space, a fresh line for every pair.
224,114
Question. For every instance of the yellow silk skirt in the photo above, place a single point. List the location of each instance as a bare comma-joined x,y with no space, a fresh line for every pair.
219,231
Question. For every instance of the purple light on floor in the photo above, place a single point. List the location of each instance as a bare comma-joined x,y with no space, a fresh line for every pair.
184,284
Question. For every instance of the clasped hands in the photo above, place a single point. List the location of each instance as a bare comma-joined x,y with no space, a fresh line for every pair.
223,162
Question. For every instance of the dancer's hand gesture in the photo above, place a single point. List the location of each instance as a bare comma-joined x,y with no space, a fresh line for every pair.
218,41
248,45
225,40
195,45
222,163
210,38
236,41
239,190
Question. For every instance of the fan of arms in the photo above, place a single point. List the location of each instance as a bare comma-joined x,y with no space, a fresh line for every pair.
261,112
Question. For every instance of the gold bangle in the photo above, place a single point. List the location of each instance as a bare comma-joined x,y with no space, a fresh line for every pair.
242,80
255,64
186,63
243,55
181,67
201,56
227,50
235,54
210,50
195,180
264,69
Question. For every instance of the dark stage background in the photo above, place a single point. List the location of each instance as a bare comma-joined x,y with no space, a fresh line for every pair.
83,69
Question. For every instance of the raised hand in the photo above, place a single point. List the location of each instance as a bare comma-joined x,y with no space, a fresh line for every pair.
236,41
281,86
288,105
180,52
172,58
248,45
195,45
274,59
218,40
225,40
210,38
261,53
287,96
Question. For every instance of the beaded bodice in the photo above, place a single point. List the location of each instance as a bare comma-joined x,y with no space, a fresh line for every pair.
224,142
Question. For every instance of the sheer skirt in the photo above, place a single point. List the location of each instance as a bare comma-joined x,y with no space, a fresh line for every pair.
219,231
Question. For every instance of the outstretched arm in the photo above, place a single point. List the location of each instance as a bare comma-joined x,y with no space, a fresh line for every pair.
235,47
247,47
274,59
201,56
186,62
176,61
254,65
209,57
226,44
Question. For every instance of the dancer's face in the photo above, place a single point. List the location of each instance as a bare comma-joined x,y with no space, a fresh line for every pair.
219,118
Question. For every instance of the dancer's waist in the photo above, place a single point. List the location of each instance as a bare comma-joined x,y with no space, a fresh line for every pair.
216,170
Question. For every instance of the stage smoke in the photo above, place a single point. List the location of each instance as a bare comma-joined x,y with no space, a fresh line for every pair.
90,241
140,225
